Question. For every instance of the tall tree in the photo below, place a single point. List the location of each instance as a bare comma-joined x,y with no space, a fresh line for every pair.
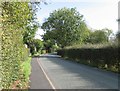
98,36
108,33
65,26
38,44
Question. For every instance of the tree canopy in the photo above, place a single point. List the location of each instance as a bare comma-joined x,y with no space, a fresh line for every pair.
99,36
65,26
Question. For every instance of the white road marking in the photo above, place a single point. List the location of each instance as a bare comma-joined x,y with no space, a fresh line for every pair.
46,75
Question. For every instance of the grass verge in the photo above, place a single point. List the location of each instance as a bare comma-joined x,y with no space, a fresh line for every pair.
26,67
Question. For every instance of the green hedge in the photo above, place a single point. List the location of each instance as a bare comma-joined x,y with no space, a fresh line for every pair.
99,57
14,54
13,51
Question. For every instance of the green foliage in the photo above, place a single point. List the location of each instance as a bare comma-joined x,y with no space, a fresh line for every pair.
16,16
13,54
26,68
118,38
32,49
29,34
38,44
48,45
99,36
65,27
99,57
92,45
43,51
54,48
108,33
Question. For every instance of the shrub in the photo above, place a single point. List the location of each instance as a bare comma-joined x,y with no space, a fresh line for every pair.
13,54
98,57
13,51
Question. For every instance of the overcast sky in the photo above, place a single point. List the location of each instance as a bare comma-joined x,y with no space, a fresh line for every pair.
98,14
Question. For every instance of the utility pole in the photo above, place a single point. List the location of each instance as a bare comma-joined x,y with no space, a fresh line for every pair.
119,16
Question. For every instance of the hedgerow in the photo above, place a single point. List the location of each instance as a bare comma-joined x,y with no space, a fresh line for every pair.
104,57
13,54
15,17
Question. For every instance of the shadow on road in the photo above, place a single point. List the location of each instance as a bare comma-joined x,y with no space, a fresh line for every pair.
52,55
96,77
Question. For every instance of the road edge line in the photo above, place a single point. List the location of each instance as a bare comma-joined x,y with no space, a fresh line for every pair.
40,65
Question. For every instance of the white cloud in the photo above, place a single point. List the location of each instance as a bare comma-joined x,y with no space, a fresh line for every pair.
102,17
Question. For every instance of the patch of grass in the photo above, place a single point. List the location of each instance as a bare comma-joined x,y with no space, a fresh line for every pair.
27,68
23,81
0,74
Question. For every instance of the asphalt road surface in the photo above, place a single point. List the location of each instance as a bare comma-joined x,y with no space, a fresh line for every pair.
57,73
37,77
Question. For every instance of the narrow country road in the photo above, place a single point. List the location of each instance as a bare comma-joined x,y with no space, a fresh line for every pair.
37,77
57,73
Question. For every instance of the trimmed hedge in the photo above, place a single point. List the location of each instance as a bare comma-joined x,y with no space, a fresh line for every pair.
12,49
14,54
100,57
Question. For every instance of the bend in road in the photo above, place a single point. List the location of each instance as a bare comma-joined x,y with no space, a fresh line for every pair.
69,75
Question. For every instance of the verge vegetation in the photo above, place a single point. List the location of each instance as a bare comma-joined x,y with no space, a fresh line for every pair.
105,57
17,20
